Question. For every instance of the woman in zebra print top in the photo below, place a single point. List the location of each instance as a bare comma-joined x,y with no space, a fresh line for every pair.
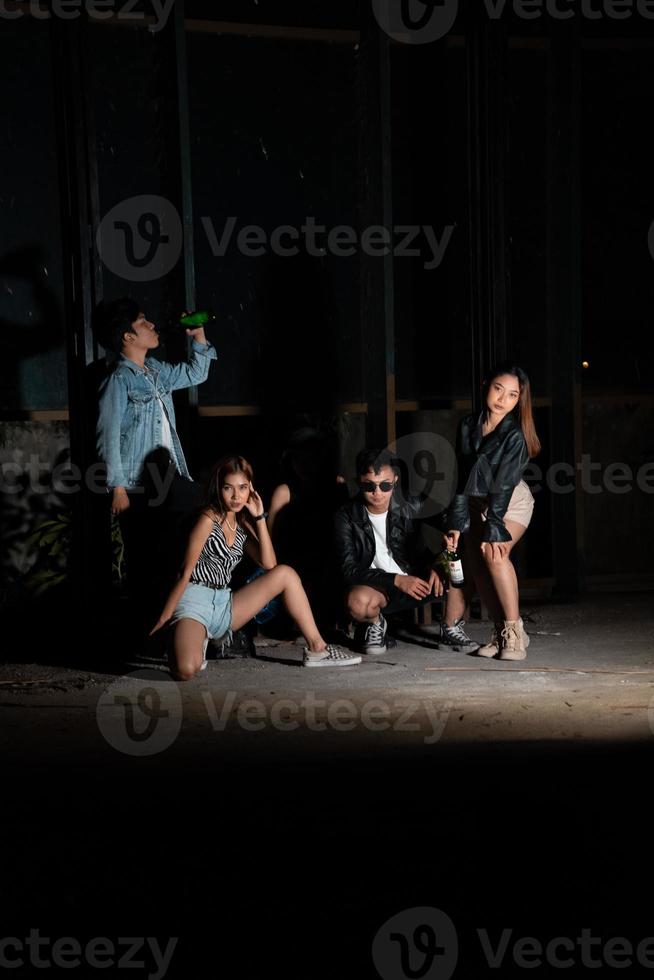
201,605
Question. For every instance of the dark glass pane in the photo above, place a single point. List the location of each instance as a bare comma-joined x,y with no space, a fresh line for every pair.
618,211
433,354
526,182
274,144
135,149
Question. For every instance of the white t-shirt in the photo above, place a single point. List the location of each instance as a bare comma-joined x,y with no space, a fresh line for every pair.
166,438
383,559
166,434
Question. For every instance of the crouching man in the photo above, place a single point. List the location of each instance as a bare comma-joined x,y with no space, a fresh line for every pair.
384,564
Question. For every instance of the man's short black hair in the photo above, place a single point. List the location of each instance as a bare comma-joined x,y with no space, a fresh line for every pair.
113,319
374,459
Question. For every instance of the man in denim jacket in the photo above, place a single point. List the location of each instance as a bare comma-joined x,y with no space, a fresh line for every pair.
136,414
138,442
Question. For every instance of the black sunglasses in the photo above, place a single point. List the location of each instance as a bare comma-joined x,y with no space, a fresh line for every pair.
369,487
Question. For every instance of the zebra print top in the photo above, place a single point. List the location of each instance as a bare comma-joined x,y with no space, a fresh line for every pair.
217,561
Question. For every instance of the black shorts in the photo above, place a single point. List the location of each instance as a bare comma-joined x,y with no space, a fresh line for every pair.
399,601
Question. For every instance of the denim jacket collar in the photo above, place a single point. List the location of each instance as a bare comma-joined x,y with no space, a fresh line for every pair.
134,367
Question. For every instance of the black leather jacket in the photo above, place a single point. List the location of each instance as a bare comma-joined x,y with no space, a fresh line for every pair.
490,466
355,542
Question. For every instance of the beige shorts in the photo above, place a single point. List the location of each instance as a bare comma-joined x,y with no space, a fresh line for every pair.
520,509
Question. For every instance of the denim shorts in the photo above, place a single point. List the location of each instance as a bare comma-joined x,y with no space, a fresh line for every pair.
211,607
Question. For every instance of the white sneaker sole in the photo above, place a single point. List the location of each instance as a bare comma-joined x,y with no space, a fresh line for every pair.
330,662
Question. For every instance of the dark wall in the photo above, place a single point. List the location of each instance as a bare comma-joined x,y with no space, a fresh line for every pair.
618,210
273,141
32,345
433,342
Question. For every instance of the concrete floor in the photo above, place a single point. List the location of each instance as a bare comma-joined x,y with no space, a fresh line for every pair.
588,676
507,796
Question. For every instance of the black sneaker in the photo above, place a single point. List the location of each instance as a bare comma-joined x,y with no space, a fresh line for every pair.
235,647
455,638
374,641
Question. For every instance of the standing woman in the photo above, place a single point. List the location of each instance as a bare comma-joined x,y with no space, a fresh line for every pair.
202,606
492,509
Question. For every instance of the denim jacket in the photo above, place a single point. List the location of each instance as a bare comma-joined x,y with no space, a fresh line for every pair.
129,420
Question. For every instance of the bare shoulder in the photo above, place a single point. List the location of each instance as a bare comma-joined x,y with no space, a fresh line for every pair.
281,496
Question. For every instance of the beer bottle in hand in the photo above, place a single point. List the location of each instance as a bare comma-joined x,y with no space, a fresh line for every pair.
198,318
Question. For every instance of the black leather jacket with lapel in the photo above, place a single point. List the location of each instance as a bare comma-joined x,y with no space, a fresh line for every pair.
489,466
355,542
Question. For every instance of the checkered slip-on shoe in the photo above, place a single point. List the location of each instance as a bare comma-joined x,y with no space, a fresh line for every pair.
331,656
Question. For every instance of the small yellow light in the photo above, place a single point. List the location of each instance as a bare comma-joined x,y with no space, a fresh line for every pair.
585,364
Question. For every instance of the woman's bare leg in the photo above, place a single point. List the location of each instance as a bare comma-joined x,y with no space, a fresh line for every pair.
503,577
281,580
481,577
188,648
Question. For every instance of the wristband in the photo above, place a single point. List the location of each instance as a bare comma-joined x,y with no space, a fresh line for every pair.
262,517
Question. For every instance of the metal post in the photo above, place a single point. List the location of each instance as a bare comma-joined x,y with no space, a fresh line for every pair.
485,69
90,566
179,189
564,298
376,208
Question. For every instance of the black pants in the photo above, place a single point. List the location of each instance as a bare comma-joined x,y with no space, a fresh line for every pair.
155,531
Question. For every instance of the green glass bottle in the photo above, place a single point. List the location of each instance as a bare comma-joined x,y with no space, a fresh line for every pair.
198,318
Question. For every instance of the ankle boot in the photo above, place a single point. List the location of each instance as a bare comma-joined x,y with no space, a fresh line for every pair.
513,640
492,648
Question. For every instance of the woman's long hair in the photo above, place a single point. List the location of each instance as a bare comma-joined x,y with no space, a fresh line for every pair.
522,410
226,466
